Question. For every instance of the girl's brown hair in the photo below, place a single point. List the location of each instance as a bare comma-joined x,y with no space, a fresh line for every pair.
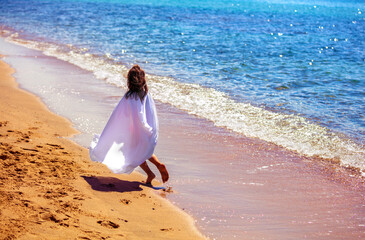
136,82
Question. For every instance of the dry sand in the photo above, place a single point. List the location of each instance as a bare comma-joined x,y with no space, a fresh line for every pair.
49,189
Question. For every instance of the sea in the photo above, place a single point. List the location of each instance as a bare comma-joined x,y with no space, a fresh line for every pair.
289,73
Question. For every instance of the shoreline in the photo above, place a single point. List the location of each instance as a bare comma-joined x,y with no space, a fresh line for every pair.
232,185
50,189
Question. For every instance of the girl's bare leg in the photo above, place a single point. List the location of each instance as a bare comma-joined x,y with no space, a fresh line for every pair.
150,174
161,167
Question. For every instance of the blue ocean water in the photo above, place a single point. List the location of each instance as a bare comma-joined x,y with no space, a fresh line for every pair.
288,72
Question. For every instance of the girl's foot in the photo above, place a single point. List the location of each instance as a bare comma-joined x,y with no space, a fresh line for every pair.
150,177
150,174
161,167
163,171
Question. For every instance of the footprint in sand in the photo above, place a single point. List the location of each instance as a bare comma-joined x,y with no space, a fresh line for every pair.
56,218
78,198
50,217
168,190
108,224
166,229
125,201
3,124
124,220
30,149
55,146
15,152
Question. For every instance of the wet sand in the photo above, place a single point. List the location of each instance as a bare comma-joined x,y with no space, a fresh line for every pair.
244,188
49,189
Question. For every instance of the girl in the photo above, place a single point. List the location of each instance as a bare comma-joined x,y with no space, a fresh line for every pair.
130,136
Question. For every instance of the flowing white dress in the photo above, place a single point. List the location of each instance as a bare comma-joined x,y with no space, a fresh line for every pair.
130,136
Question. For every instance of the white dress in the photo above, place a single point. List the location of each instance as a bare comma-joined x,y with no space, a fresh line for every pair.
130,136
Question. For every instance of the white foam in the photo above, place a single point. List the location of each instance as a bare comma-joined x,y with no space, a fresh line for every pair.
290,131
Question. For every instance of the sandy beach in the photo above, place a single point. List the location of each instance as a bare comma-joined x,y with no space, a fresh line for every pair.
49,189
260,107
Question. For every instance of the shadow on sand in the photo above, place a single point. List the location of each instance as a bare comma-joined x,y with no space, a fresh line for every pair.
112,184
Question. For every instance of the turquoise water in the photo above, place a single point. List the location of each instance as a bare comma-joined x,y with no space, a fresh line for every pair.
291,73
